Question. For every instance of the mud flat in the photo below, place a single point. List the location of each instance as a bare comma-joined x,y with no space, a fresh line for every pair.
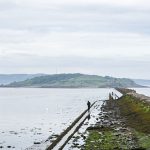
30,116
119,124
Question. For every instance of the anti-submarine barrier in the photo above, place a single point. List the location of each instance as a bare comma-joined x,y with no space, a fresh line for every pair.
71,135
59,138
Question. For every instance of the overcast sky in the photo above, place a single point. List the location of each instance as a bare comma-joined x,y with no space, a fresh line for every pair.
104,37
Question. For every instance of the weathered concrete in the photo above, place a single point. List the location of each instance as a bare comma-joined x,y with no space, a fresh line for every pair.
67,130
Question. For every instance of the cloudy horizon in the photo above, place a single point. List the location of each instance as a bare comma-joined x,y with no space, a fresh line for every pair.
102,37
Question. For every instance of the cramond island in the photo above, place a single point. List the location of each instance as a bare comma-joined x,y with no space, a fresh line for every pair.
75,80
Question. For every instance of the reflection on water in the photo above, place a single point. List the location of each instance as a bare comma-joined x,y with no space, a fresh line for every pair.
89,116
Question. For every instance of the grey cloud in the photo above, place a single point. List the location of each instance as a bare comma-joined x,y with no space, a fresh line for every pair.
66,18
6,5
104,66
70,28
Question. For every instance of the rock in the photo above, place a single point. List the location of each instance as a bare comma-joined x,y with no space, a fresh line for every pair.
37,142
83,136
116,134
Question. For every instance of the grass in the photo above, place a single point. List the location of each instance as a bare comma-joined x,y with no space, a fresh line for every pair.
136,112
143,140
97,140
106,140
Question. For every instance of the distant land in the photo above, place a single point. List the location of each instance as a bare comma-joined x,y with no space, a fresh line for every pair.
9,78
75,80
142,82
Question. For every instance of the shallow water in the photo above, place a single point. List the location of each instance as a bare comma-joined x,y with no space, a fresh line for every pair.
29,115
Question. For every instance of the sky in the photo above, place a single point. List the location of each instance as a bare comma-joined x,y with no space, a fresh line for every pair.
103,37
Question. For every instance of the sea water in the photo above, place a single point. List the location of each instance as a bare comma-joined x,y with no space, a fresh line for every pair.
145,91
29,115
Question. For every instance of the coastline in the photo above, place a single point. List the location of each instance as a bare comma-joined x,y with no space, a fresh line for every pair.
123,123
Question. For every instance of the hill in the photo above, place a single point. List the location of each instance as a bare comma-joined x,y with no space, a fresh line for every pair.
74,81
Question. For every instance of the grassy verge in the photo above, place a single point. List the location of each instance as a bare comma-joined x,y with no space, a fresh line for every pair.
136,113
143,140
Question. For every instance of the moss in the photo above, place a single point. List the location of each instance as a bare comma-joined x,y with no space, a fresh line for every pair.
143,140
96,141
107,140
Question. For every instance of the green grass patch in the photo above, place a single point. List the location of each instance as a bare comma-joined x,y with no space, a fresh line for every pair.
143,140
107,140
96,140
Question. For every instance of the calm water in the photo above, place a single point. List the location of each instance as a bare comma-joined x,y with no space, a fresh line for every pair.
145,91
30,115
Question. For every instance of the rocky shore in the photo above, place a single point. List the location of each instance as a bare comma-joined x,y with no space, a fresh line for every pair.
123,123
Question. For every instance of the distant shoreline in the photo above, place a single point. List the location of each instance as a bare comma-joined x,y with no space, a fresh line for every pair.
76,80
59,87
69,87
